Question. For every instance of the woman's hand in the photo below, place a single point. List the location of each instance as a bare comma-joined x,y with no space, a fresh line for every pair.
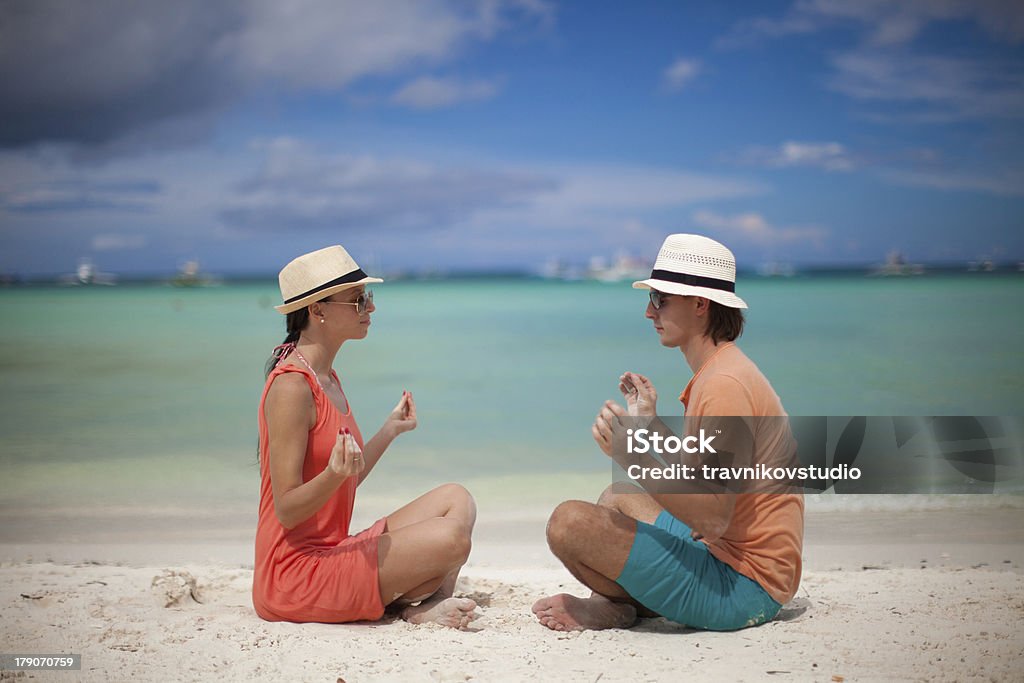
346,457
403,418
641,398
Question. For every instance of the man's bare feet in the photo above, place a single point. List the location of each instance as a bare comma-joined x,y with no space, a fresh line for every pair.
450,612
564,612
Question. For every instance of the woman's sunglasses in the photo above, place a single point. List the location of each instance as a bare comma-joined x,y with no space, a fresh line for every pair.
361,304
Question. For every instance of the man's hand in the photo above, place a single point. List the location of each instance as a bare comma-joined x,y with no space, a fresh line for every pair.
607,430
641,398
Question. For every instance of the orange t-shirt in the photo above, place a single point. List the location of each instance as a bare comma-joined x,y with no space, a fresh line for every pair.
764,539
315,571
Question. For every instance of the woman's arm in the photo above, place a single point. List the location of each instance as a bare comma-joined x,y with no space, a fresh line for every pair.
402,419
290,414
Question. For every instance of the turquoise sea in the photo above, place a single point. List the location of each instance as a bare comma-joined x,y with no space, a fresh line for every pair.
147,394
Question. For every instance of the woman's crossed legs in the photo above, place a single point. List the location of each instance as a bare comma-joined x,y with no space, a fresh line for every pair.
421,552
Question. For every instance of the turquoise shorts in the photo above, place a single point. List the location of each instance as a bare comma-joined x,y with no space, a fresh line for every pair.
670,573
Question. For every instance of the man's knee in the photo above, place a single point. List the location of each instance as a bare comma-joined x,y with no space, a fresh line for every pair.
631,501
611,497
567,523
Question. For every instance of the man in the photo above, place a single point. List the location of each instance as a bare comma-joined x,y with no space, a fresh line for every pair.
714,559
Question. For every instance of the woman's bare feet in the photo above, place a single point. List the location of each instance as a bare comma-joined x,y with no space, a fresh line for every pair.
564,612
450,612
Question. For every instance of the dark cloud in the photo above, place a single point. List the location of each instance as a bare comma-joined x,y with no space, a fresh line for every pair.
96,72
92,72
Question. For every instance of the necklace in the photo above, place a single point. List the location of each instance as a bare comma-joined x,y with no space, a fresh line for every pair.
310,368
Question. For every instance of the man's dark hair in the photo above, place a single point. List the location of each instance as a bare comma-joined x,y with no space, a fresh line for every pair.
725,324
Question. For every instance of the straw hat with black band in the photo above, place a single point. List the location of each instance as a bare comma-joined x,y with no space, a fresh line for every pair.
317,275
694,265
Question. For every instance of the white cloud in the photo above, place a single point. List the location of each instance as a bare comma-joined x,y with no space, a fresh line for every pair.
753,227
299,187
831,156
934,89
433,93
891,68
607,209
884,22
327,43
45,188
626,187
681,73
1007,183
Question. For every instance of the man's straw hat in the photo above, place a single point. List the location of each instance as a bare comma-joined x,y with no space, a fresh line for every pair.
694,265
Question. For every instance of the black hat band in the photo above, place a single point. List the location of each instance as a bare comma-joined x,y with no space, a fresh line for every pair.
355,276
694,280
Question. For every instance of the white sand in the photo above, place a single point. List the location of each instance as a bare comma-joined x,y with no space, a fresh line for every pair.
933,595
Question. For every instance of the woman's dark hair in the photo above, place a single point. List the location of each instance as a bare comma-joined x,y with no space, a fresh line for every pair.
294,323
724,323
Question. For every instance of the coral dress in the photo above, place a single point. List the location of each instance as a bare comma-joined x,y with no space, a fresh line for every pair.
316,571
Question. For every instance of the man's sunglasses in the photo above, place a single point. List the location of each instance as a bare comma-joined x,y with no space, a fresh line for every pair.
658,298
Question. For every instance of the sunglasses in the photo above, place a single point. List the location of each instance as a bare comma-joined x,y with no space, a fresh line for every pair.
361,304
658,298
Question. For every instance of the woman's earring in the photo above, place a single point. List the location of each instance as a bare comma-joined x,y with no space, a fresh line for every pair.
321,321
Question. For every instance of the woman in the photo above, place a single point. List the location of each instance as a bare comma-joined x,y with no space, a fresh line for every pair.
312,458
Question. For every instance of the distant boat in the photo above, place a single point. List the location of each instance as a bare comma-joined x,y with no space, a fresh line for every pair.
776,269
624,268
189,276
557,270
86,274
896,265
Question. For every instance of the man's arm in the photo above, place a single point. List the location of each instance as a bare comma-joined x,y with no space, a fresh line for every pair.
723,410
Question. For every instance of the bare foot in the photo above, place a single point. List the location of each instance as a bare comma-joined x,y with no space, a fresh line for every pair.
564,612
450,612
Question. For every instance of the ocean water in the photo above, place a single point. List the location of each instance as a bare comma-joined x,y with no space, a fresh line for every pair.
147,395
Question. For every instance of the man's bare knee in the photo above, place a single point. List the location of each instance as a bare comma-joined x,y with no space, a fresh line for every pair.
566,523
617,496
630,501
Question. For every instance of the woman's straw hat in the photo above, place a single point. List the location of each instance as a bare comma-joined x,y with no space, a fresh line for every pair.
315,276
693,265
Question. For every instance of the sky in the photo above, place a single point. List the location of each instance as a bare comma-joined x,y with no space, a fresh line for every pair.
439,135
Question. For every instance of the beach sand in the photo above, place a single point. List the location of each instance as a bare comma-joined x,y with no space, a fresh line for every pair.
918,595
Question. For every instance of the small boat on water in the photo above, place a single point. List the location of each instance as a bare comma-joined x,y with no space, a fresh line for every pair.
983,266
623,268
776,269
896,265
189,276
86,274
